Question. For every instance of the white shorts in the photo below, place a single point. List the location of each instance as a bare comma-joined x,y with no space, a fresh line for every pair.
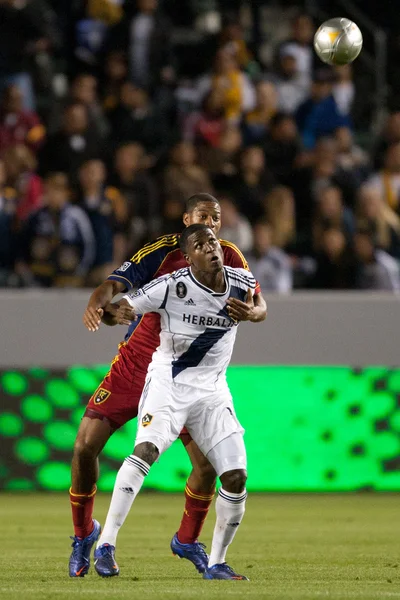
165,408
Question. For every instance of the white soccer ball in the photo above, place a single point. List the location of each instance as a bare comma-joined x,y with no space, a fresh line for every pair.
338,41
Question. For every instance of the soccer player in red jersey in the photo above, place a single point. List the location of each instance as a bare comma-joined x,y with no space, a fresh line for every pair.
116,399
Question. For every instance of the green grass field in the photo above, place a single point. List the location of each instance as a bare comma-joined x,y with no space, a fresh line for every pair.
291,547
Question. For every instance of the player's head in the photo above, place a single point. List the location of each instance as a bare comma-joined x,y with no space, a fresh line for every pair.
205,209
201,248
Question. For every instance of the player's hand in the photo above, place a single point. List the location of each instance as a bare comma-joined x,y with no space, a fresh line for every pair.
124,315
92,318
241,311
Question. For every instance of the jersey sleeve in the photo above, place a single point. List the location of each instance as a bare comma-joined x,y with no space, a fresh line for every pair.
234,258
143,266
151,297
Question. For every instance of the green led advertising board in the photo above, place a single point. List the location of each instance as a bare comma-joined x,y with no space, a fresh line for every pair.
307,429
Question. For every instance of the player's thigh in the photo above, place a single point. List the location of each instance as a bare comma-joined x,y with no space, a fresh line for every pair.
92,436
213,419
229,454
160,419
117,397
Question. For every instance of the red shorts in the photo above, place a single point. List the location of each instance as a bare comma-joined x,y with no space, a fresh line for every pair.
117,398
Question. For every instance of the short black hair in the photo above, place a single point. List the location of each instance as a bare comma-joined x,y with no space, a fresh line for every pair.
194,200
186,233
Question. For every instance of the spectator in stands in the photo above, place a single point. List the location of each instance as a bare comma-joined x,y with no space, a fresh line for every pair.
18,125
300,44
84,90
147,35
67,149
107,211
140,192
330,212
205,127
91,30
22,36
252,182
21,164
374,215
8,241
183,177
387,180
291,86
235,226
351,157
115,74
376,270
238,92
269,264
390,135
220,162
279,210
344,89
57,246
231,37
256,122
323,172
335,265
319,115
137,119
281,147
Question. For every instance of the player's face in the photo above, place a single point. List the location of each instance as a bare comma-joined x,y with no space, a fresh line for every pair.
204,252
207,213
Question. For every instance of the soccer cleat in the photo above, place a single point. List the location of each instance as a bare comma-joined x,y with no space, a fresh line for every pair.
79,561
222,571
104,561
194,552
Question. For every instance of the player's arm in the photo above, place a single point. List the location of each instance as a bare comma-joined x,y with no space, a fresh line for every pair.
151,298
234,258
133,273
254,308
98,301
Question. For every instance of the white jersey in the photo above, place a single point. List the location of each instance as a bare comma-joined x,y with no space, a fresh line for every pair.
197,333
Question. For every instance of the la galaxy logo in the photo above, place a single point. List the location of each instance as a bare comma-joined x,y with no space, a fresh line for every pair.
181,290
147,419
101,396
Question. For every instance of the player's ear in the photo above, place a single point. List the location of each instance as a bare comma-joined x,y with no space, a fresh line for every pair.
186,219
188,259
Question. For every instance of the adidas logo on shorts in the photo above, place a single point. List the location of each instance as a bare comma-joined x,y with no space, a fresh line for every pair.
190,302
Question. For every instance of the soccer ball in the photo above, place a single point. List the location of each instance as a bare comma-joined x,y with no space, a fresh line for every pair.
338,41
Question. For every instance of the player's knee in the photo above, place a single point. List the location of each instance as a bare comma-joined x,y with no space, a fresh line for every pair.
234,481
86,448
147,452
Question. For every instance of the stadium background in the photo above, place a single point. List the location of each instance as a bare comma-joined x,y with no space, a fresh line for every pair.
328,420
317,388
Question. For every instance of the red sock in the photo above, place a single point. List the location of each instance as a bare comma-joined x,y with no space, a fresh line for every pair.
82,512
194,515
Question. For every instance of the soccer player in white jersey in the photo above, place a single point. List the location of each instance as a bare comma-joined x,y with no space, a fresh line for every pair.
186,386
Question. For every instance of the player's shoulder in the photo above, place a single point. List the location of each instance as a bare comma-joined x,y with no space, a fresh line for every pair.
240,275
232,255
180,273
160,245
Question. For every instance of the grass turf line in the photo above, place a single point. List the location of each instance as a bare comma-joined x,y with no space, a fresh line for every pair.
292,547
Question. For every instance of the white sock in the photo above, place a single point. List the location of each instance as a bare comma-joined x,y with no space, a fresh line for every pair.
230,510
127,486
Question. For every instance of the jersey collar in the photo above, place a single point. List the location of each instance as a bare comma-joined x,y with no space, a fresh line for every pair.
205,288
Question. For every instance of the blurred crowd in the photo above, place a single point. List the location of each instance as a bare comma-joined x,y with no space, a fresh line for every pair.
109,122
